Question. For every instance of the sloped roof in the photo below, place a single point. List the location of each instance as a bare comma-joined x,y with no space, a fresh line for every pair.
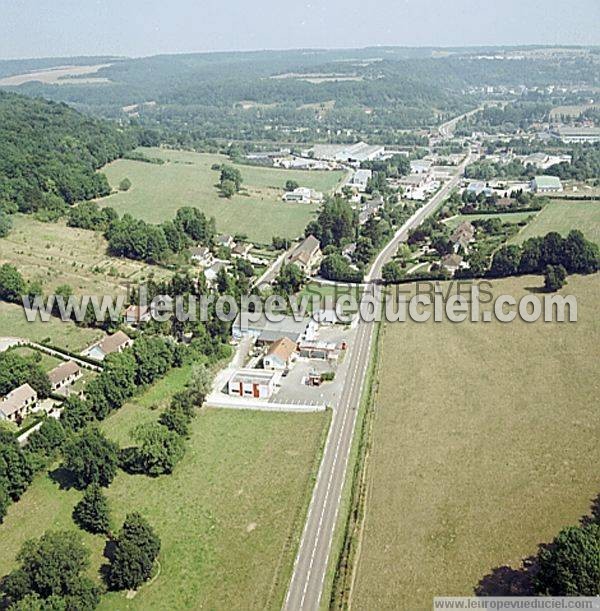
16,399
112,343
282,349
63,371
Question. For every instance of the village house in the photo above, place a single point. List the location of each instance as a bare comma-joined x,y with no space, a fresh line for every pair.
111,344
225,241
211,274
253,383
452,262
280,355
242,250
462,236
201,255
306,255
64,375
18,404
136,315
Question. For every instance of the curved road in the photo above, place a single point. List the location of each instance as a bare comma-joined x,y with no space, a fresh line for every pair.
306,585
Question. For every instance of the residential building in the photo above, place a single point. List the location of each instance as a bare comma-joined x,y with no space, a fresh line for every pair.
111,344
201,255
452,262
280,354
306,255
136,315
462,236
546,184
303,195
241,250
212,272
360,179
64,375
253,383
18,404
369,209
225,241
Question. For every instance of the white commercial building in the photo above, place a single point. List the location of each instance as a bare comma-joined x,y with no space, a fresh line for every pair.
253,383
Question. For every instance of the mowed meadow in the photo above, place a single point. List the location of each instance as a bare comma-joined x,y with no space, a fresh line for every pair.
562,216
484,445
57,255
229,517
186,179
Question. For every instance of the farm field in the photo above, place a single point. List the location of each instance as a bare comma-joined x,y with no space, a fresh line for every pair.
562,216
229,517
56,254
186,179
484,445
61,334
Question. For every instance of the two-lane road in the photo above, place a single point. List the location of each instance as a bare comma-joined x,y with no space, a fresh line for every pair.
306,586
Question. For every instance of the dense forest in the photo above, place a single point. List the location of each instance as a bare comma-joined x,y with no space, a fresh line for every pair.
49,154
311,95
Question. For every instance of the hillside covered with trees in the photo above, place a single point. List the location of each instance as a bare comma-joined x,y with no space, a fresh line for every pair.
49,154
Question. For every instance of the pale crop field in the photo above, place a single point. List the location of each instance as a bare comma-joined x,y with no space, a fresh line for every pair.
186,179
56,255
485,444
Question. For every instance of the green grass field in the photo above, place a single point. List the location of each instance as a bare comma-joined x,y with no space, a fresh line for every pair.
61,334
485,444
56,254
187,180
229,517
562,216
46,361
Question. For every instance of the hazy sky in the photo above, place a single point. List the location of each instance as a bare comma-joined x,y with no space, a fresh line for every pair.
38,28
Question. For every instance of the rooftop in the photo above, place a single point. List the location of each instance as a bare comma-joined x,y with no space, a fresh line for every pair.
253,376
16,399
112,343
547,181
63,371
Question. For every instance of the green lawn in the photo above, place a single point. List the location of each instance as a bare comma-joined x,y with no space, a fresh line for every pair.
562,216
229,517
484,444
47,362
62,334
187,180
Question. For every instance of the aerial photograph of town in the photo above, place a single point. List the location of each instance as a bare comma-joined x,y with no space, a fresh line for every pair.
299,305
